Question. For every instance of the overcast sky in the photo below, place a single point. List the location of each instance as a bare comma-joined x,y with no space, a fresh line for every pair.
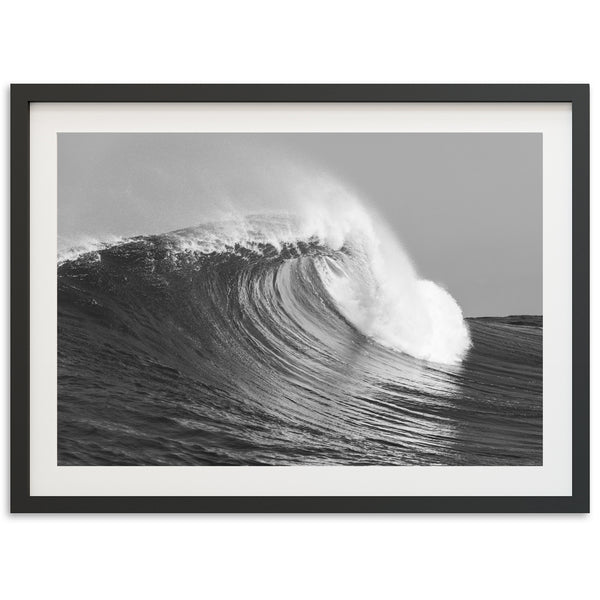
466,206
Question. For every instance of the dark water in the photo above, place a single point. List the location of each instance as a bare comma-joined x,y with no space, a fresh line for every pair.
241,357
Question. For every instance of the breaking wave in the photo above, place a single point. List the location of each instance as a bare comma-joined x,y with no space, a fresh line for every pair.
364,274
282,339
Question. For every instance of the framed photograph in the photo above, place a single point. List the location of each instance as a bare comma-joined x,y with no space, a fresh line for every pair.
300,298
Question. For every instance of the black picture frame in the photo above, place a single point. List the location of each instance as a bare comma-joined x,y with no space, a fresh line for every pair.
22,95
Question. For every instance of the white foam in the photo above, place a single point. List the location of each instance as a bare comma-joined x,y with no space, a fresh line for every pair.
71,249
379,291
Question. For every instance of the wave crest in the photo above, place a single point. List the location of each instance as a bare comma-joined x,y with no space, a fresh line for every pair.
364,271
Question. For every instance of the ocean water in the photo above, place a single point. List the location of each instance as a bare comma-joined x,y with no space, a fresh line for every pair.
277,340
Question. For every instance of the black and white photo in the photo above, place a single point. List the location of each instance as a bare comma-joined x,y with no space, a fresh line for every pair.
300,299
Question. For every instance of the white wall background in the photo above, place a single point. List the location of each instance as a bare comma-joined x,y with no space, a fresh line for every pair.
214,557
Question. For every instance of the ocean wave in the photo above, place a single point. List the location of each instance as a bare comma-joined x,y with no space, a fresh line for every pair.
281,339
365,274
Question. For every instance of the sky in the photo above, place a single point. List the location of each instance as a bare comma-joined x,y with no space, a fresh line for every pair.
467,207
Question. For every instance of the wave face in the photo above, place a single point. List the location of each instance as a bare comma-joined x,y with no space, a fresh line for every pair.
283,340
